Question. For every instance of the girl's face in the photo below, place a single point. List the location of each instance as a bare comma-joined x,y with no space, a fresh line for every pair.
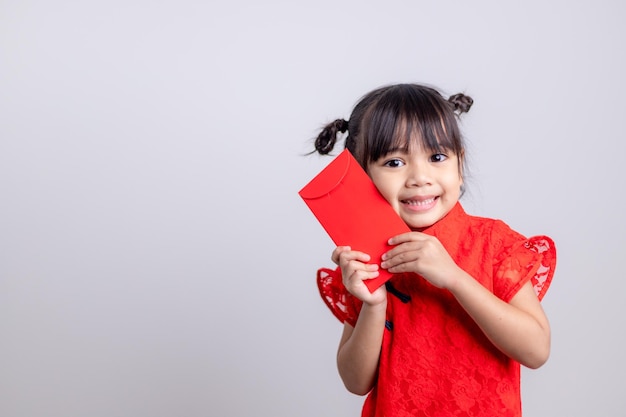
421,185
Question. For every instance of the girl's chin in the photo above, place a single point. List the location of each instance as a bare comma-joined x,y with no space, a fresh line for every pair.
419,229
418,222
418,226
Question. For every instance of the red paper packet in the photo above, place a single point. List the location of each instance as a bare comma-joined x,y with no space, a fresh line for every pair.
348,205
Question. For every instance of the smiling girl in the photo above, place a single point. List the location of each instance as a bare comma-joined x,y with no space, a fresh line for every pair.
447,334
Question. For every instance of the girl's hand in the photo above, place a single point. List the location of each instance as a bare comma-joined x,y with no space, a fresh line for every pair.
354,271
423,254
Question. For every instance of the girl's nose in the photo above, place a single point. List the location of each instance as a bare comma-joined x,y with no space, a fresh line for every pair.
418,176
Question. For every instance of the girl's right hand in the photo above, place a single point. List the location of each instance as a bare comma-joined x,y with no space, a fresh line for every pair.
354,270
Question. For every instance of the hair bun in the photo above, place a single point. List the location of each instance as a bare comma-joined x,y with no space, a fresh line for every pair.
325,141
461,102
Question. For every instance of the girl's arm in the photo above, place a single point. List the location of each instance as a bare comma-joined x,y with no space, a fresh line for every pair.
519,328
359,348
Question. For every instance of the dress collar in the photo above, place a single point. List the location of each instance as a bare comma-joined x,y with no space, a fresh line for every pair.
449,222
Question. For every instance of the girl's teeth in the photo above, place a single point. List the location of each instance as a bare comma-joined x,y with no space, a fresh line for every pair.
419,203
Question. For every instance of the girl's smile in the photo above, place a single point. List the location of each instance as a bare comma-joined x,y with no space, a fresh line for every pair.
420,203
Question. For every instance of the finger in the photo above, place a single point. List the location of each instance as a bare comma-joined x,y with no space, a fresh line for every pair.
402,249
406,237
399,258
353,255
371,268
335,255
357,267
366,273
403,267
356,278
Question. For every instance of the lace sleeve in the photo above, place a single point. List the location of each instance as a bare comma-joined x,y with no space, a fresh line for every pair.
341,303
533,259
544,247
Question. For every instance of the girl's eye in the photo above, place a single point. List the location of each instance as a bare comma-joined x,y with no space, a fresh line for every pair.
394,163
438,157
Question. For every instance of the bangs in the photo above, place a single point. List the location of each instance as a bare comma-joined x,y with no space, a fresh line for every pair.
404,118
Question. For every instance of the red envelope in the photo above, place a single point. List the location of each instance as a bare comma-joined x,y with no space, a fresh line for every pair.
352,211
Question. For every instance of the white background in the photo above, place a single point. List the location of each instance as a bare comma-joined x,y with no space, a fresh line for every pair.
155,258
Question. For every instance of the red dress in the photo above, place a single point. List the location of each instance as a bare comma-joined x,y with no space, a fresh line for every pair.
435,360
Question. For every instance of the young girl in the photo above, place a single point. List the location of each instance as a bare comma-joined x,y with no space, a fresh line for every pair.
447,334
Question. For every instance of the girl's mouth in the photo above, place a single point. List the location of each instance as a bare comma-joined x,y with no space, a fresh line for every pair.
420,204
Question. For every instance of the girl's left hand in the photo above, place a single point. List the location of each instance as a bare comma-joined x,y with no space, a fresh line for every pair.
423,254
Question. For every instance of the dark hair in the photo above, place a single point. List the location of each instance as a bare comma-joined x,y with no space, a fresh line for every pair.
384,119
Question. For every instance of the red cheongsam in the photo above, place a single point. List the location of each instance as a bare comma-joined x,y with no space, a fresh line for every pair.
435,361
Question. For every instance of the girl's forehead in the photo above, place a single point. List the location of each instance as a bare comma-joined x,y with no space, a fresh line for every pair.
415,140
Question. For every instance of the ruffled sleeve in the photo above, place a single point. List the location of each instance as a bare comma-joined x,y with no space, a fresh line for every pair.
519,260
341,303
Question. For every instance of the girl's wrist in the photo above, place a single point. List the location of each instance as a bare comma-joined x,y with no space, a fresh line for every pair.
376,306
456,281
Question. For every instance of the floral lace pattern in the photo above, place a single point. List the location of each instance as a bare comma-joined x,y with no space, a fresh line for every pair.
344,306
435,361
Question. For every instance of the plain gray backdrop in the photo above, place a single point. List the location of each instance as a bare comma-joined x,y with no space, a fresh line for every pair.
155,258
